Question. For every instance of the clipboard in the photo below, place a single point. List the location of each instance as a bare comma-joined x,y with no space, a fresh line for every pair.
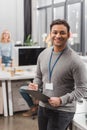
38,95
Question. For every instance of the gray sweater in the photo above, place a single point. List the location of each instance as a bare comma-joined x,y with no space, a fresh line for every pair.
69,78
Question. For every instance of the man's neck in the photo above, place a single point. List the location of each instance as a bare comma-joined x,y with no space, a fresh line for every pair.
59,49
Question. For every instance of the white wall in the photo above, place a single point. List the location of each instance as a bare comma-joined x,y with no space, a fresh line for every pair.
11,18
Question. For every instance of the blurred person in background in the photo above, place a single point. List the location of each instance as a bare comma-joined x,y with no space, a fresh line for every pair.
32,103
48,40
6,49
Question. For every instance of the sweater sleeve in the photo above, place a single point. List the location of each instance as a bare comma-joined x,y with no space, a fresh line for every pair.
80,79
38,77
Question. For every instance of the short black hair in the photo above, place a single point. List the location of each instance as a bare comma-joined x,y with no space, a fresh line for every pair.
59,22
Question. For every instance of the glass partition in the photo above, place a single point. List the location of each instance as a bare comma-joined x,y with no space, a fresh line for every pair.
58,12
72,11
86,26
49,19
74,19
59,1
41,3
41,26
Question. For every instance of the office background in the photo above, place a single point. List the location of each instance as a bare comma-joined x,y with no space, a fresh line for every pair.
42,13
39,15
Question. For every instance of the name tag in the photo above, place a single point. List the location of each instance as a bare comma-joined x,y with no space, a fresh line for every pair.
49,86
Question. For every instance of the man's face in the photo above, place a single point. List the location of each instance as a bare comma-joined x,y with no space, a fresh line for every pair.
59,35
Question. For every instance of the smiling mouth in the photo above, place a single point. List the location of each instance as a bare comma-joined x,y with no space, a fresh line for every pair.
58,41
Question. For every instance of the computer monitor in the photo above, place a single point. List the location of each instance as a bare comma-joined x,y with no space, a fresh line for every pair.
26,55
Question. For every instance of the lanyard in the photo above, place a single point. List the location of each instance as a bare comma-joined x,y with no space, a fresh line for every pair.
51,70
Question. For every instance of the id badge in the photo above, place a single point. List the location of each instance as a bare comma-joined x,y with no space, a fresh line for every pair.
49,86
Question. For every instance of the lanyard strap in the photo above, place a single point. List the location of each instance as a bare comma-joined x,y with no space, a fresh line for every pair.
51,70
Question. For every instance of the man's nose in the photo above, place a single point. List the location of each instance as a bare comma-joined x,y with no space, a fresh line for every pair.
58,34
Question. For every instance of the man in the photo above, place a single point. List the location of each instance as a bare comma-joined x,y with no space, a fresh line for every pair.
62,74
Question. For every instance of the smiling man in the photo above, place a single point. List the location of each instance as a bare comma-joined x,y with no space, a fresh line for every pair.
62,75
59,35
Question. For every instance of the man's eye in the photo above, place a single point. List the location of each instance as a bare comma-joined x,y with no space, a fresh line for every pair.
55,32
62,33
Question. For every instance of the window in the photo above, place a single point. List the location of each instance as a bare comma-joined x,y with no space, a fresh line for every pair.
41,3
59,1
59,12
74,19
41,26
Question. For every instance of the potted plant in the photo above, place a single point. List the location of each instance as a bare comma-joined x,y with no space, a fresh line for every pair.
29,41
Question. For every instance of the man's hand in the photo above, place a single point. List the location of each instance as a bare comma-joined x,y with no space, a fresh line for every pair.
33,86
55,101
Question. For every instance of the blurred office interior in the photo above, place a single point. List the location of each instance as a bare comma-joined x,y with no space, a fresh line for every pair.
33,17
23,17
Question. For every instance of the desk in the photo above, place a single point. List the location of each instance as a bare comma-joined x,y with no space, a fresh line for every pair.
80,122
80,119
6,77
81,107
3,77
29,74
